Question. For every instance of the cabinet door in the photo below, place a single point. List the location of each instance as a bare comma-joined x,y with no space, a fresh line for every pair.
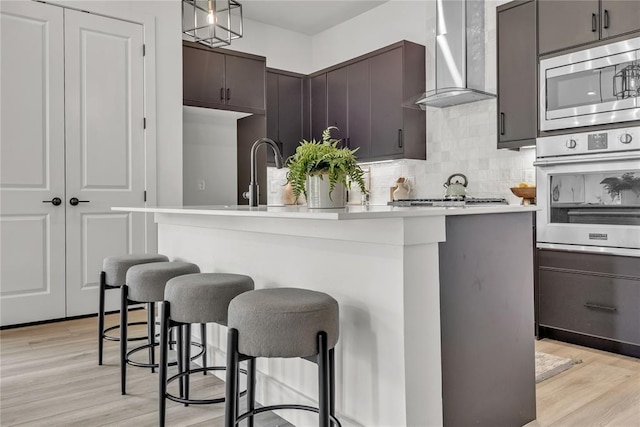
318,106
245,82
619,17
386,103
202,77
290,114
517,77
272,106
359,108
337,103
567,23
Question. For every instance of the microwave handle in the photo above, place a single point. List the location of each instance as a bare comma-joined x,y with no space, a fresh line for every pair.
594,23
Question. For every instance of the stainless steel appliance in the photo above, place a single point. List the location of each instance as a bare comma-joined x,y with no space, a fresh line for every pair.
589,192
447,202
594,86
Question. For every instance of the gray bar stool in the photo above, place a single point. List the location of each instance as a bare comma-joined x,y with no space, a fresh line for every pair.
282,322
145,283
194,298
112,276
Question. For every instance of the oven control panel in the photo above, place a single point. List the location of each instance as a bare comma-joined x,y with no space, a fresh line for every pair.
605,141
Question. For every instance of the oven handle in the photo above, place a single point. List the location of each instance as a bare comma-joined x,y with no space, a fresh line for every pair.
592,249
588,158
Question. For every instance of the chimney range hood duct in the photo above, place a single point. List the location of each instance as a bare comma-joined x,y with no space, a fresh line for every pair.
460,56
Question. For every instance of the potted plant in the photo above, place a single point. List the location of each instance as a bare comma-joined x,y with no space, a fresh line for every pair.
627,187
322,171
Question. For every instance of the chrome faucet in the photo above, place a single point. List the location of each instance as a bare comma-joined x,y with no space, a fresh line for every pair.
252,194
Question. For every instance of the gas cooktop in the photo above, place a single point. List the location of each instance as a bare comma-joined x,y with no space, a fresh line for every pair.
447,203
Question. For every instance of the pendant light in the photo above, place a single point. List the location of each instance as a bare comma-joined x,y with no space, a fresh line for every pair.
214,23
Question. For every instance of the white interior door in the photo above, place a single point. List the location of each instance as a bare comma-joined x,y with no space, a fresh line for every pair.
32,270
104,150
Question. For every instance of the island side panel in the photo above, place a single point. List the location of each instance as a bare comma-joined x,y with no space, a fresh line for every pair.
365,278
486,297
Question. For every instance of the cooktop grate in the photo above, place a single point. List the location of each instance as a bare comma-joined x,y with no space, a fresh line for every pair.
469,201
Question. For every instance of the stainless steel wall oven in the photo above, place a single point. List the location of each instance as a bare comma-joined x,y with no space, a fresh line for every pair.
589,192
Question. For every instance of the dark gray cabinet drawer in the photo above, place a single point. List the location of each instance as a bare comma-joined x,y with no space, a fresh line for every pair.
600,305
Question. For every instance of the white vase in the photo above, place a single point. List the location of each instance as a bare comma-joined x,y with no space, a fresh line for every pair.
318,193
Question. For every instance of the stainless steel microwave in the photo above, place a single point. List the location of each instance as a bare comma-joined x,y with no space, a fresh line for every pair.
590,87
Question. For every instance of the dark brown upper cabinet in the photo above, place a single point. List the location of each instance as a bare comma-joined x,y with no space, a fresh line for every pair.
223,79
365,98
565,24
318,100
285,111
337,81
517,74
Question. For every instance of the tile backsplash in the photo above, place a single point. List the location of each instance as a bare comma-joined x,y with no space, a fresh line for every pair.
460,139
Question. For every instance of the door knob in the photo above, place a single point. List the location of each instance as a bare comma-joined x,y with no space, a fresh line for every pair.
56,201
74,201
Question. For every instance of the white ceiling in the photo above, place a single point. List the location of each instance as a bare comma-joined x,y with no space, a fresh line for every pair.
305,16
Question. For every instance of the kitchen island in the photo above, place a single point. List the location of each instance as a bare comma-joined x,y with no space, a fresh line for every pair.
436,304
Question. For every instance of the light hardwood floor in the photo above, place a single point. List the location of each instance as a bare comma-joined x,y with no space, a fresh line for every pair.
49,377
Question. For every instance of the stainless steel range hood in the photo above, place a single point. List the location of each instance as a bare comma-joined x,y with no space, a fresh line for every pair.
460,55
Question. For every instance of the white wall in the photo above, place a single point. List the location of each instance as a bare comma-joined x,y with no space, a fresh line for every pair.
165,15
284,49
386,24
210,156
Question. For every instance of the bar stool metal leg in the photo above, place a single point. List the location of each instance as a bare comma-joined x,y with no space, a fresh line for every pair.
164,345
180,357
187,359
124,318
101,317
151,322
203,341
332,384
323,380
251,389
230,409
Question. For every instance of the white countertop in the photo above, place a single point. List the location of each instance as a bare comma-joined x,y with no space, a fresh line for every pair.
349,212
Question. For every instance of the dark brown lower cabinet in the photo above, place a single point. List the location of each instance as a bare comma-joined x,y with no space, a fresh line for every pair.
590,299
486,315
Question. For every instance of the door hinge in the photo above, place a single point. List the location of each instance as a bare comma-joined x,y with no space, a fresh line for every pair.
144,123
144,50
145,195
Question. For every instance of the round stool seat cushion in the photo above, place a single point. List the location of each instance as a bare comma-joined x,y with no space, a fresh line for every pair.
204,297
115,267
283,322
147,281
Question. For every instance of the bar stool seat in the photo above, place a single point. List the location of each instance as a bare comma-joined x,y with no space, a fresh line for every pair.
145,283
113,276
286,323
194,298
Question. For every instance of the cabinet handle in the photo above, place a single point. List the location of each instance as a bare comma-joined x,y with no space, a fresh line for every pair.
594,23
56,201
606,18
74,201
501,123
228,94
600,307
348,142
400,142
221,94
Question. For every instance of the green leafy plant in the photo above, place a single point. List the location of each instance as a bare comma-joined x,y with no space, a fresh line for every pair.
614,185
324,157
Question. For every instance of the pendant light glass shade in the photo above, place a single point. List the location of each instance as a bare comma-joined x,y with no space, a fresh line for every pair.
214,23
